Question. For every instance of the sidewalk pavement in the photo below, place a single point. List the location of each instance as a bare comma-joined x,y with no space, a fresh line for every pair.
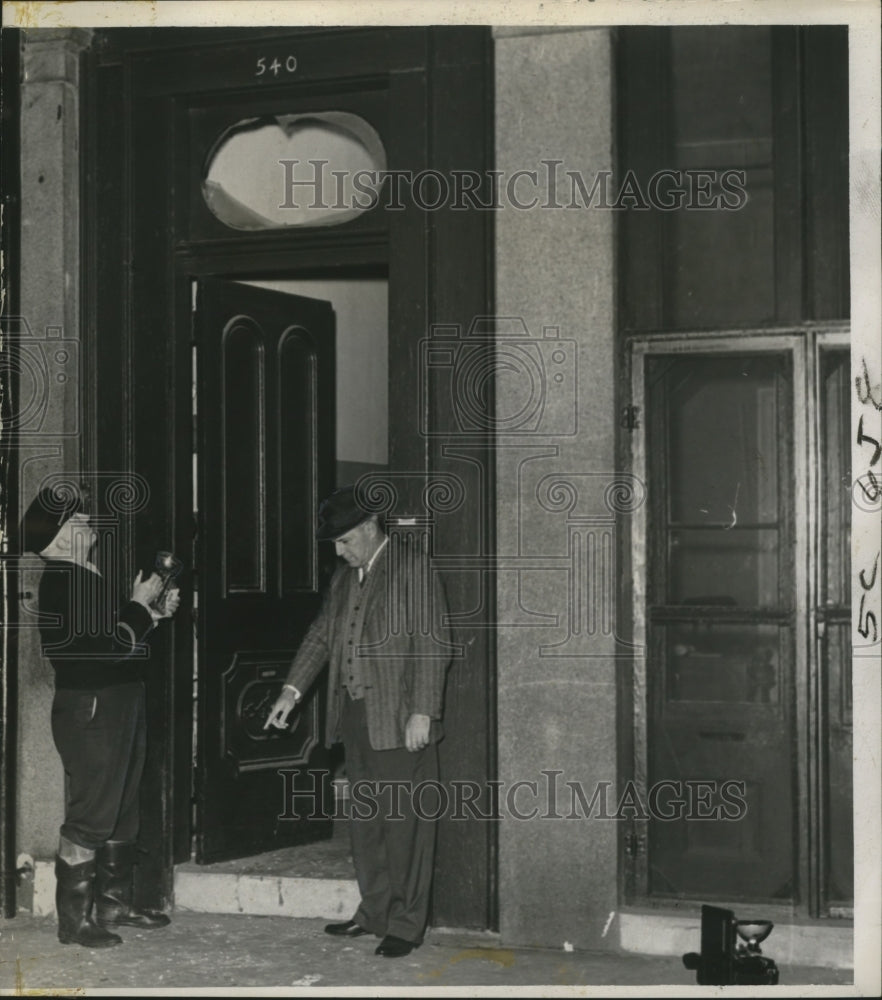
226,953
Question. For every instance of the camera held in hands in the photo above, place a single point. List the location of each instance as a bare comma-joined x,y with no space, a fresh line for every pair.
726,962
168,567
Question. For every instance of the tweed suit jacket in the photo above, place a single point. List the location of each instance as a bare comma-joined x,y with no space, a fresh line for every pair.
402,645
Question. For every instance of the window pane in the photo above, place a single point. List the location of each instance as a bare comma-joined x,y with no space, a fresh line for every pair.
722,662
723,439
724,261
727,568
836,479
722,264
721,84
720,505
294,170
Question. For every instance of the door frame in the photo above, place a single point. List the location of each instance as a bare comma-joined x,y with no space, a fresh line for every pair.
803,344
137,266
830,337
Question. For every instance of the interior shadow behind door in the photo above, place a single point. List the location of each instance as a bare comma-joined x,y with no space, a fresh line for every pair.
265,443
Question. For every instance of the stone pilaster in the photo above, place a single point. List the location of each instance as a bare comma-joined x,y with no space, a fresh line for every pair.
50,378
557,692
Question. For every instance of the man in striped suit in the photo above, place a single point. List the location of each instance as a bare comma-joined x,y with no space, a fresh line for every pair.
381,629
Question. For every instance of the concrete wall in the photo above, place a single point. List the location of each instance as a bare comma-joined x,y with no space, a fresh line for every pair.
554,268
50,385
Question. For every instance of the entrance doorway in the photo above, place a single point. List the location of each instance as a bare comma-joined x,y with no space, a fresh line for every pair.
154,226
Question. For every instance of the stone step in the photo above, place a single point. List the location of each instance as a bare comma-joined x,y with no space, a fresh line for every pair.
265,895
314,880
204,891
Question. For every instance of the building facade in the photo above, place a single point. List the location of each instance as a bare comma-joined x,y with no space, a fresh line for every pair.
588,338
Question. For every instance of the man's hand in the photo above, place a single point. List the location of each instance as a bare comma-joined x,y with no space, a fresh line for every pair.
278,716
416,734
146,591
170,604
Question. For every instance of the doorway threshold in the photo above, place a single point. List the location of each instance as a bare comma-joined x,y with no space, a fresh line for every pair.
314,880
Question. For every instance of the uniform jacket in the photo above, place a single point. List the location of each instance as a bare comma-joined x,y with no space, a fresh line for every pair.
401,641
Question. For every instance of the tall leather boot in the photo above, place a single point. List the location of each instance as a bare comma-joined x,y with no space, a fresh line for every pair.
74,892
114,889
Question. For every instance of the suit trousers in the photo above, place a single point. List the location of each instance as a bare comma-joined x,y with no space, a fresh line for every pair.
393,844
100,735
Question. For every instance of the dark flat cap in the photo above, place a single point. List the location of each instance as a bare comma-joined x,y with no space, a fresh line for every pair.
49,511
340,513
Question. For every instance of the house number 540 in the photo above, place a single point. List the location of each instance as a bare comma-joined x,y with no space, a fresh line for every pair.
289,66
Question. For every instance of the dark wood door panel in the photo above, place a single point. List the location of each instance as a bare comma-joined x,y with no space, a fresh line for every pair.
265,458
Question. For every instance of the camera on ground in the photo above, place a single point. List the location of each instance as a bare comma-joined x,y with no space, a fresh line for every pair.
727,961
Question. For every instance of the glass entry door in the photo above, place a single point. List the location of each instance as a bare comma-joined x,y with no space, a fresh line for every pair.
742,724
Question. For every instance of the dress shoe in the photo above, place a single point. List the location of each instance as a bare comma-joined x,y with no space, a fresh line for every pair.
348,928
395,947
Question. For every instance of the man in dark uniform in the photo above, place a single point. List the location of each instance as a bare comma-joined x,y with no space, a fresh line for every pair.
98,720
377,628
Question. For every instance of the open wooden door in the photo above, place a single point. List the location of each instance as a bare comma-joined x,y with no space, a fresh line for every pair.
265,441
